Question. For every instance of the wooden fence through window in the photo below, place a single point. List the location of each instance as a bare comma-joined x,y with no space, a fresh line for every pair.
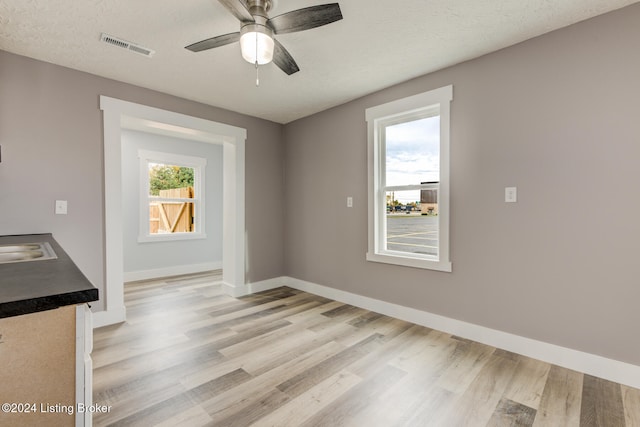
171,216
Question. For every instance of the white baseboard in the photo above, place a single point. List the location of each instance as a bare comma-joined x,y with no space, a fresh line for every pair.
109,317
252,288
177,270
598,366
233,290
265,285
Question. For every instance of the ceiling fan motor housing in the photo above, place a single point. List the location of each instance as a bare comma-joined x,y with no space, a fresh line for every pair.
259,7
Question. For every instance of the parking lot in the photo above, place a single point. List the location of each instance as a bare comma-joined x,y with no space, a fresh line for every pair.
412,233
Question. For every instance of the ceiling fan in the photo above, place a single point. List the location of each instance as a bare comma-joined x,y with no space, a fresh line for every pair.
257,30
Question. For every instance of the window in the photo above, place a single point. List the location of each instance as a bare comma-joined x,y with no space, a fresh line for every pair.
408,155
171,196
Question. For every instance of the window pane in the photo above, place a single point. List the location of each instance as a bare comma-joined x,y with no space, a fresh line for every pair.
412,221
165,178
170,182
413,152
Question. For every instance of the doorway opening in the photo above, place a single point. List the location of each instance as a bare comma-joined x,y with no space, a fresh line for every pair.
118,115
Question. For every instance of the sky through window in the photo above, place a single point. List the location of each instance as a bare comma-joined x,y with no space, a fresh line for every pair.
413,155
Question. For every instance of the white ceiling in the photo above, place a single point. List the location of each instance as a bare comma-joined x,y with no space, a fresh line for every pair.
377,44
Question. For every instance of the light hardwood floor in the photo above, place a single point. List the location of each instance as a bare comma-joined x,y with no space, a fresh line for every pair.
189,355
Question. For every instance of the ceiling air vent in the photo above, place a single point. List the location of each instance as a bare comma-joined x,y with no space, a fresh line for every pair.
115,41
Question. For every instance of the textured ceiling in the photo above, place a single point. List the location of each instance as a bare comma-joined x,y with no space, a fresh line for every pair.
377,44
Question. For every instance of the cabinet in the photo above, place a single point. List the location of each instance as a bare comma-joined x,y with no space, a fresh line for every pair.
45,368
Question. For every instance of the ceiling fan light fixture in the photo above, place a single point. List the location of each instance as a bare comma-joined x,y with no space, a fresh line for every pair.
256,44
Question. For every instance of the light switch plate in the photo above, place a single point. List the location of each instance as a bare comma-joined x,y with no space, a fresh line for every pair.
349,202
61,207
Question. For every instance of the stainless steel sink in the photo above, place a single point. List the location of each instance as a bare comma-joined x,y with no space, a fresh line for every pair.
22,252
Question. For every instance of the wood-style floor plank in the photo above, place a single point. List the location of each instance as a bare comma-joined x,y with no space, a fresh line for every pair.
478,403
189,355
424,365
356,400
510,413
305,380
528,382
299,409
458,377
192,417
598,411
561,399
237,400
427,410
631,402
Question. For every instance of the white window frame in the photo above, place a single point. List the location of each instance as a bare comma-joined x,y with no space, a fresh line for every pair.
427,104
198,164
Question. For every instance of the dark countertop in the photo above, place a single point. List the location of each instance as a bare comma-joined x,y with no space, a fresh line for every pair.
29,287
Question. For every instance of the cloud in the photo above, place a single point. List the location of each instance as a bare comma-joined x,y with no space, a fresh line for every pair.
413,152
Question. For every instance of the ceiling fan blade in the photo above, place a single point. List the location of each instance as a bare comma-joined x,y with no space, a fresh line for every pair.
306,18
283,59
239,9
214,42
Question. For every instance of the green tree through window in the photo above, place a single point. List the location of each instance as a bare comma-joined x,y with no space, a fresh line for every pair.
166,177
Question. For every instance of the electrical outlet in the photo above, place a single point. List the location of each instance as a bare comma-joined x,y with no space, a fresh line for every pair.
510,194
349,202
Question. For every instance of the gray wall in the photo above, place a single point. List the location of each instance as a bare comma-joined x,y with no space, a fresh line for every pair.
160,255
556,116
52,148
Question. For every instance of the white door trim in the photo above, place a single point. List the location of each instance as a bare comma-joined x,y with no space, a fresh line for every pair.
118,114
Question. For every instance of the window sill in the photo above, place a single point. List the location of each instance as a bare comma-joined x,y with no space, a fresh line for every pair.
410,262
173,237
